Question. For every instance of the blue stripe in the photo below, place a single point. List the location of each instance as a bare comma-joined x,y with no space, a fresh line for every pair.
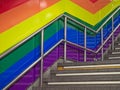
53,40
11,73
72,35
26,61
77,36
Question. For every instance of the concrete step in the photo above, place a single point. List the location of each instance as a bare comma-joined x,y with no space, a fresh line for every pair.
114,56
114,52
91,86
89,63
78,75
117,47
54,72
82,77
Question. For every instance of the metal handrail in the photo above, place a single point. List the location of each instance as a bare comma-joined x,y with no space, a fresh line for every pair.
85,48
81,47
99,29
20,43
32,65
108,38
79,23
108,19
91,28
23,41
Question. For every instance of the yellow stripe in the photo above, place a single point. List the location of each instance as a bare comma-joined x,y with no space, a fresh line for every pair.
27,27
19,32
88,17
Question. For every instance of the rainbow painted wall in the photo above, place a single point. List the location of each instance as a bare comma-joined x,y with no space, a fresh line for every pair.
21,18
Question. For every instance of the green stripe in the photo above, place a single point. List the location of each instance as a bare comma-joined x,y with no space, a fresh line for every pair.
75,26
28,46
18,53
98,24
53,28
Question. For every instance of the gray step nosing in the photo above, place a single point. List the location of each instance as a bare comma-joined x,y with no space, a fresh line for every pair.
92,66
114,57
85,71
95,73
83,78
115,52
85,83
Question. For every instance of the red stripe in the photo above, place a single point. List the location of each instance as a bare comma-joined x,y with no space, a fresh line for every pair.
8,4
93,1
16,15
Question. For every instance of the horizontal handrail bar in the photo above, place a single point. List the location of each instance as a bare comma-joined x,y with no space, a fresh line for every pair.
81,47
79,23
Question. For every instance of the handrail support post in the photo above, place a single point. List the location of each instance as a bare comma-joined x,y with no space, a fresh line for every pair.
65,39
42,53
85,44
113,33
102,40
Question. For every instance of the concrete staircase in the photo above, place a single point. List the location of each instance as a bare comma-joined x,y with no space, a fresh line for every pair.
95,75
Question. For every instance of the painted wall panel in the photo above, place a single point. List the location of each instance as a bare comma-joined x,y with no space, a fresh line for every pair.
73,9
78,39
21,58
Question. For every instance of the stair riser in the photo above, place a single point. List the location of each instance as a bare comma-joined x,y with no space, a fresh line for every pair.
84,78
80,87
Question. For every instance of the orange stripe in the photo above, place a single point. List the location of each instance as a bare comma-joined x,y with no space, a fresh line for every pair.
22,12
90,6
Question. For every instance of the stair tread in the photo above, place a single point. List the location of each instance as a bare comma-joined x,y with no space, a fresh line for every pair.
85,71
114,50
97,78
80,87
105,62
114,55
84,78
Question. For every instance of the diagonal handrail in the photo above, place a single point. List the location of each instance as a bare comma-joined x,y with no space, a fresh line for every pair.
20,43
108,19
26,39
85,48
108,38
32,65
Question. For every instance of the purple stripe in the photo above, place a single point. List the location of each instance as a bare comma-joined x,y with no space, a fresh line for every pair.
73,53
32,75
27,79
53,57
